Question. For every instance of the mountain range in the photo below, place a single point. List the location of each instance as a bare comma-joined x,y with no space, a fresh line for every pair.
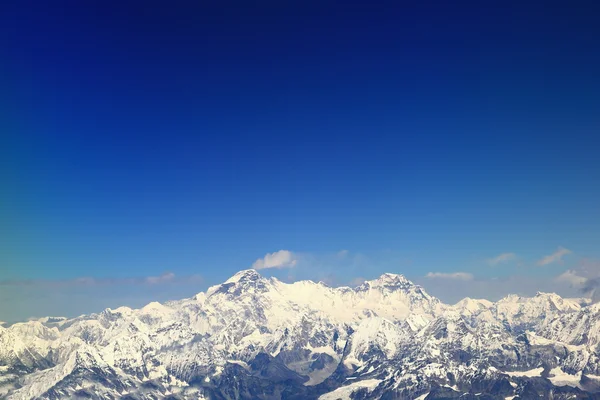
254,337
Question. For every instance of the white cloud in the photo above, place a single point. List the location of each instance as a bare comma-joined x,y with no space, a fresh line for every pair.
166,277
554,257
278,259
571,277
501,258
461,276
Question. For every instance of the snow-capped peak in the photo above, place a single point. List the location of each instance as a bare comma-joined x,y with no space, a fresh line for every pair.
246,281
389,279
472,305
244,275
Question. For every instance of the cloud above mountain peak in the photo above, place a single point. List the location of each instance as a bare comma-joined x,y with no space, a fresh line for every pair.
278,259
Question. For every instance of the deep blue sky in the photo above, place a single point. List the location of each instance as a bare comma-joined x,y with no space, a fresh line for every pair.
147,137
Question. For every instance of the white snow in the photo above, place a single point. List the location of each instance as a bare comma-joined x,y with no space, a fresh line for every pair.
560,378
248,314
344,392
529,373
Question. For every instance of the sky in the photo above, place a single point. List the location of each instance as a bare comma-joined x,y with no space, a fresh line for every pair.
149,150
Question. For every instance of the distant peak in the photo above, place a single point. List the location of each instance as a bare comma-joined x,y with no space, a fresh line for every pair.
392,279
392,276
468,302
154,306
244,281
388,281
546,294
244,275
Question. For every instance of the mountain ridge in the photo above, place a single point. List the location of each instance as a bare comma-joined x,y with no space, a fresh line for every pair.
258,337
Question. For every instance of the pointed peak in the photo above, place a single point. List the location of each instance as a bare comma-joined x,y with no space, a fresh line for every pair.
466,300
546,294
247,280
245,275
469,303
118,310
510,298
388,279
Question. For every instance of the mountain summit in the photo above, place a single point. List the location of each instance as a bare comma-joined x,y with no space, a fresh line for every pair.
245,276
256,337
393,280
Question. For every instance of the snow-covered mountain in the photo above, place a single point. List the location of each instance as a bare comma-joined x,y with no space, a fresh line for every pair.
259,338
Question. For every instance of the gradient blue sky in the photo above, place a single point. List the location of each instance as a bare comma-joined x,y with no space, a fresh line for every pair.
145,137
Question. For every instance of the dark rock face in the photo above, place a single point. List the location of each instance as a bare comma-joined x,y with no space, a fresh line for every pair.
320,361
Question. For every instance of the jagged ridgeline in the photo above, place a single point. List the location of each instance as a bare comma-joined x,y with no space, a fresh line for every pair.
259,338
